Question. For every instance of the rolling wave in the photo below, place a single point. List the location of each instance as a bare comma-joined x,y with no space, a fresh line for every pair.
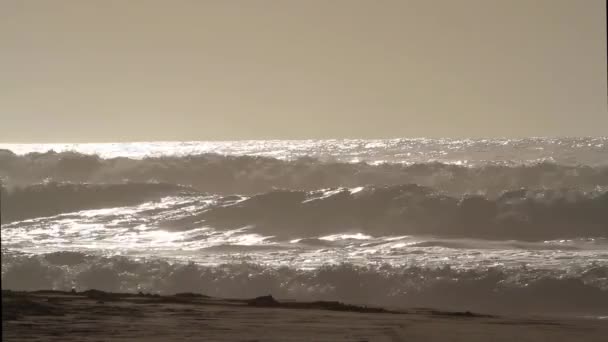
374,210
415,210
251,174
52,198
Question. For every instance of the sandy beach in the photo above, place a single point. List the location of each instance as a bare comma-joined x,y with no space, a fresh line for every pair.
100,316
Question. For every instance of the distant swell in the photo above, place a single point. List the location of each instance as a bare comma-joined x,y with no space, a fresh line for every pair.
249,174
492,289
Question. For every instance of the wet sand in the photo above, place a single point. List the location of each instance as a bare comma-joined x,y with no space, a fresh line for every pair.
100,316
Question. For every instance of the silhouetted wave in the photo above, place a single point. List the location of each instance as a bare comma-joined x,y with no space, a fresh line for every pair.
52,198
413,209
375,210
490,289
249,174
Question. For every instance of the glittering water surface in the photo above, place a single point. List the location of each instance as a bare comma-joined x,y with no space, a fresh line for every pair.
138,231
142,243
135,231
589,151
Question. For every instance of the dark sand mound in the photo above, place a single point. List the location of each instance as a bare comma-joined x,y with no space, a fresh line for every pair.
102,316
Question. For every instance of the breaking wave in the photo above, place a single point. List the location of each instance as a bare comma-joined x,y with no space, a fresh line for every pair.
489,289
52,198
375,210
413,210
251,174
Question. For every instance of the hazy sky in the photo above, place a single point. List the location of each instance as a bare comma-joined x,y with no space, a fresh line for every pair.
109,70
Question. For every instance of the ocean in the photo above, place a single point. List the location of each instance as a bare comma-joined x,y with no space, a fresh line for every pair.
518,225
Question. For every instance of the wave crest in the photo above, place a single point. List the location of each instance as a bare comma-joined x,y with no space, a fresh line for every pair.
250,174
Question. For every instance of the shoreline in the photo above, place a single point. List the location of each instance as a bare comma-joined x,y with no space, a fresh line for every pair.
96,315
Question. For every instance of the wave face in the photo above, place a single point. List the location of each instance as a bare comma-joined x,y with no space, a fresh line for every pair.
51,198
288,214
487,225
412,209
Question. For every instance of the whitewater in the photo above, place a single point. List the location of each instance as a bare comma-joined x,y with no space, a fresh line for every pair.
477,224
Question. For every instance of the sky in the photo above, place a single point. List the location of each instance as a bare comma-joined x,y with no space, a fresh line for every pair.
115,70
